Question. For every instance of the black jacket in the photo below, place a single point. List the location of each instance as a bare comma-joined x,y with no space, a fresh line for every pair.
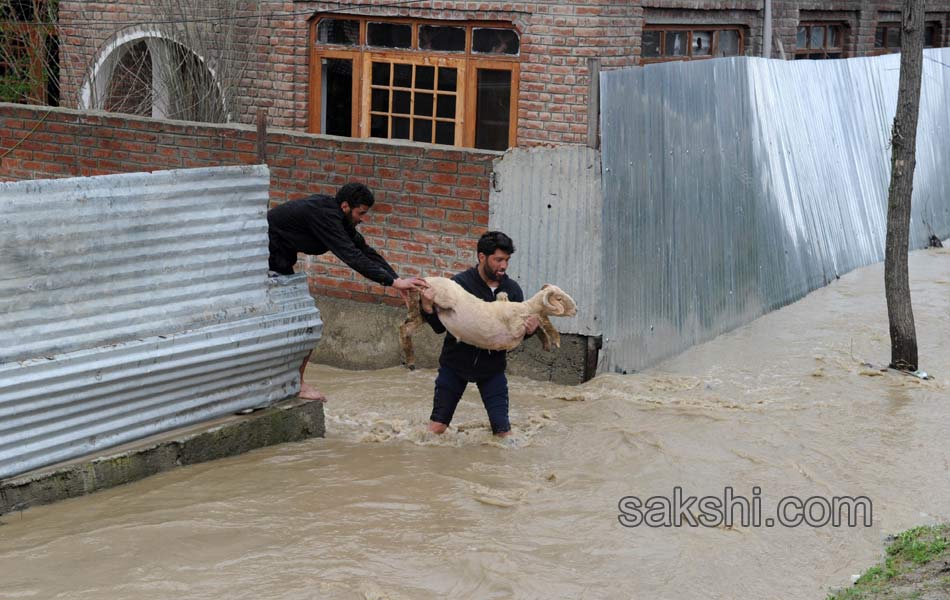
316,225
467,361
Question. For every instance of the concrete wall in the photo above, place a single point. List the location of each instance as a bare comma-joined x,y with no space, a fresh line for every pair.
357,335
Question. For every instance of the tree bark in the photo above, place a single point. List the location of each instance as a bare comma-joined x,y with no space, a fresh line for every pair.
903,160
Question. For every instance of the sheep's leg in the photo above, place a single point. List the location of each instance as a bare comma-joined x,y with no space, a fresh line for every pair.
543,337
548,333
408,328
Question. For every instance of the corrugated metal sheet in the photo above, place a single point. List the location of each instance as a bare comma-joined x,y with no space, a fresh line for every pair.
138,303
549,201
735,186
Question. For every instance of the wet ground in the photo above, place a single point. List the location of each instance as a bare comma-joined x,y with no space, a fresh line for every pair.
381,509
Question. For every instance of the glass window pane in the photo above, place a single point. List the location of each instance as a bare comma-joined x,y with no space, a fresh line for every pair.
425,77
445,106
493,109
702,43
389,35
339,31
930,36
400,128
817,37
444,133
675,43
447,79
879,38
337,90
834,36
495,41
446,39
423,105
380,73
650,43
801,38
728,43
379,126
401,102
894,37
380,100
422,131
402,75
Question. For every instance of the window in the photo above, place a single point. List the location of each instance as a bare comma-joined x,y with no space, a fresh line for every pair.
820,40
437,82
29,52
665,43
887,37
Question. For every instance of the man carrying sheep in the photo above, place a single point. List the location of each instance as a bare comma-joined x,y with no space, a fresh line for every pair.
460,363
320,224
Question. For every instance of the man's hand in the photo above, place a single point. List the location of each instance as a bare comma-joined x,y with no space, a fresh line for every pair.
404,286
426,298
531,324
412,283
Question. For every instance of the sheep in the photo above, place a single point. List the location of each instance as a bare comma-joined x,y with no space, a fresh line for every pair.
495,325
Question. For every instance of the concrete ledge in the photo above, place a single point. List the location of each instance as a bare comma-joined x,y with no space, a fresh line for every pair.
360,335
289,421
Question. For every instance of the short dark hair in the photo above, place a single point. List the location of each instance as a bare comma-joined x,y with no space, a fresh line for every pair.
495,240
355,194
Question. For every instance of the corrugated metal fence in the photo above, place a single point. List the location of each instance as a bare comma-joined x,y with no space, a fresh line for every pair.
133,304
735,186
549,200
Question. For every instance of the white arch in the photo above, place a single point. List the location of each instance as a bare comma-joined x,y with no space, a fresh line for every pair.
95,88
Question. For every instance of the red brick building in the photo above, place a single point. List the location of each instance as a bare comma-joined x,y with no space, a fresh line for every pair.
480,74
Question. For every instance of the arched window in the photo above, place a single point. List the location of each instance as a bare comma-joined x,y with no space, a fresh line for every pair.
149,75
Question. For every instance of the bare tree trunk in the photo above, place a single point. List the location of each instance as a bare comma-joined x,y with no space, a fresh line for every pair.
900,313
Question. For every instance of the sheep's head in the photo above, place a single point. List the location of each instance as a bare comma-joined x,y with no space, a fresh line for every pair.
557,302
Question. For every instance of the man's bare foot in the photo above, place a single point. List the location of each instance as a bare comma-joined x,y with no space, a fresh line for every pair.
308,392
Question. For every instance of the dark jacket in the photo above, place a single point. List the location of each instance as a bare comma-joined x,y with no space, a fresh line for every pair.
467,361
314,226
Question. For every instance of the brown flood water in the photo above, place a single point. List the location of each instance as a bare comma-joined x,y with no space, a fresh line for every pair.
379,509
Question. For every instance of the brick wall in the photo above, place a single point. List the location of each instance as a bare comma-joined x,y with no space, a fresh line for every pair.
557,38
432,201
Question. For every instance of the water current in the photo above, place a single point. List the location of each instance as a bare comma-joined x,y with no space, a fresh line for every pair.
379,509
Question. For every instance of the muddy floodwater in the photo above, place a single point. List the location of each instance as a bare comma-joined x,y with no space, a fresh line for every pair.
380,509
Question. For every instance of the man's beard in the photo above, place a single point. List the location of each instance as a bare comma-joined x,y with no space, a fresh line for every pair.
493,275
348,219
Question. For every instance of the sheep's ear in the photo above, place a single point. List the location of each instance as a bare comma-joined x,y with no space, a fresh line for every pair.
545,286
552,303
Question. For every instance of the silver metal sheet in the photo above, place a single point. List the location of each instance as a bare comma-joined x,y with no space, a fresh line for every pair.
138,303
735,186
549,201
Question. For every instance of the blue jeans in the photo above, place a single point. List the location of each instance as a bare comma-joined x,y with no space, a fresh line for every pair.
449,387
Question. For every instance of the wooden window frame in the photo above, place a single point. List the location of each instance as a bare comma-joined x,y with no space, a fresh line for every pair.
363,55
401,58
690,29
885,25
828,51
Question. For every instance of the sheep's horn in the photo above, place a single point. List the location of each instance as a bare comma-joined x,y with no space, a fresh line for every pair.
555,307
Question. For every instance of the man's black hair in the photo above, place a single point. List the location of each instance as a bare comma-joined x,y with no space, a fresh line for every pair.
495,240
355,194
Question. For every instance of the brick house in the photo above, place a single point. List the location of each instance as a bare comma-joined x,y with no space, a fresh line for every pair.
479,74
